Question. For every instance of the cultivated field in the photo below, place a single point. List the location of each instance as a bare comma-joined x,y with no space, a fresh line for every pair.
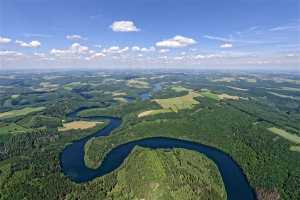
120,99
179,103
24,111
224,79
286,135
70,86
295,148
115,94
211,95
237,88
11,128
78,125
153,112
137,83
174,104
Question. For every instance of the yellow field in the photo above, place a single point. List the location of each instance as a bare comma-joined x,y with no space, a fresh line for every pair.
173,104
179,103
227,96
46,87
24,111
78,125
224,79
237,88
137,83
184,102
120,99
153,112
114,94
180,89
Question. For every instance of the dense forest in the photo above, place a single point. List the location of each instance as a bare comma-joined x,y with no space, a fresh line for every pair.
31,140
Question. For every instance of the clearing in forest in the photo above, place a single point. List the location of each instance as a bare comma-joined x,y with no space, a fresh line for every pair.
295,148
286,135
218,97
20,112
78,125
137,83
184,102
174,104
178,103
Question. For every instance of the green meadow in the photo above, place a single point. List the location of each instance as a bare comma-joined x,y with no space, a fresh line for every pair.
20,112
286,135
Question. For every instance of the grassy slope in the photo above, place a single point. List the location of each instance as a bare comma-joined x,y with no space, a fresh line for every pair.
24,111
176,174
11,128
286,135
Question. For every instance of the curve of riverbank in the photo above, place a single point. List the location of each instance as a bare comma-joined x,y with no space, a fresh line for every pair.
73,166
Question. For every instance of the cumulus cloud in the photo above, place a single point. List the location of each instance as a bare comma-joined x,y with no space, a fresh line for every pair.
176,42
226,45
10,56
75,50
32,44
74,37
40,55
150,49
124,26
4,40
208,56
135,48
96,56
143,49
98,46
10,53
164,50
115,49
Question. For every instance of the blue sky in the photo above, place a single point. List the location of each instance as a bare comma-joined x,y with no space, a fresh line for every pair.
149,33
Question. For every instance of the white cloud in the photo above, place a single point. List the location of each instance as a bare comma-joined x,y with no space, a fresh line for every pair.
135,48
284,28
208,56
150,49
226,45
4,40
96,56
10,53
218,38
124,26
143,49
74,37
164,50
98,46
10,56
176,42
178,58
42,55
75,50
115,49
32,44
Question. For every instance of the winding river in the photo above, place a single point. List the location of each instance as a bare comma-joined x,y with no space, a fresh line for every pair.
73,166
